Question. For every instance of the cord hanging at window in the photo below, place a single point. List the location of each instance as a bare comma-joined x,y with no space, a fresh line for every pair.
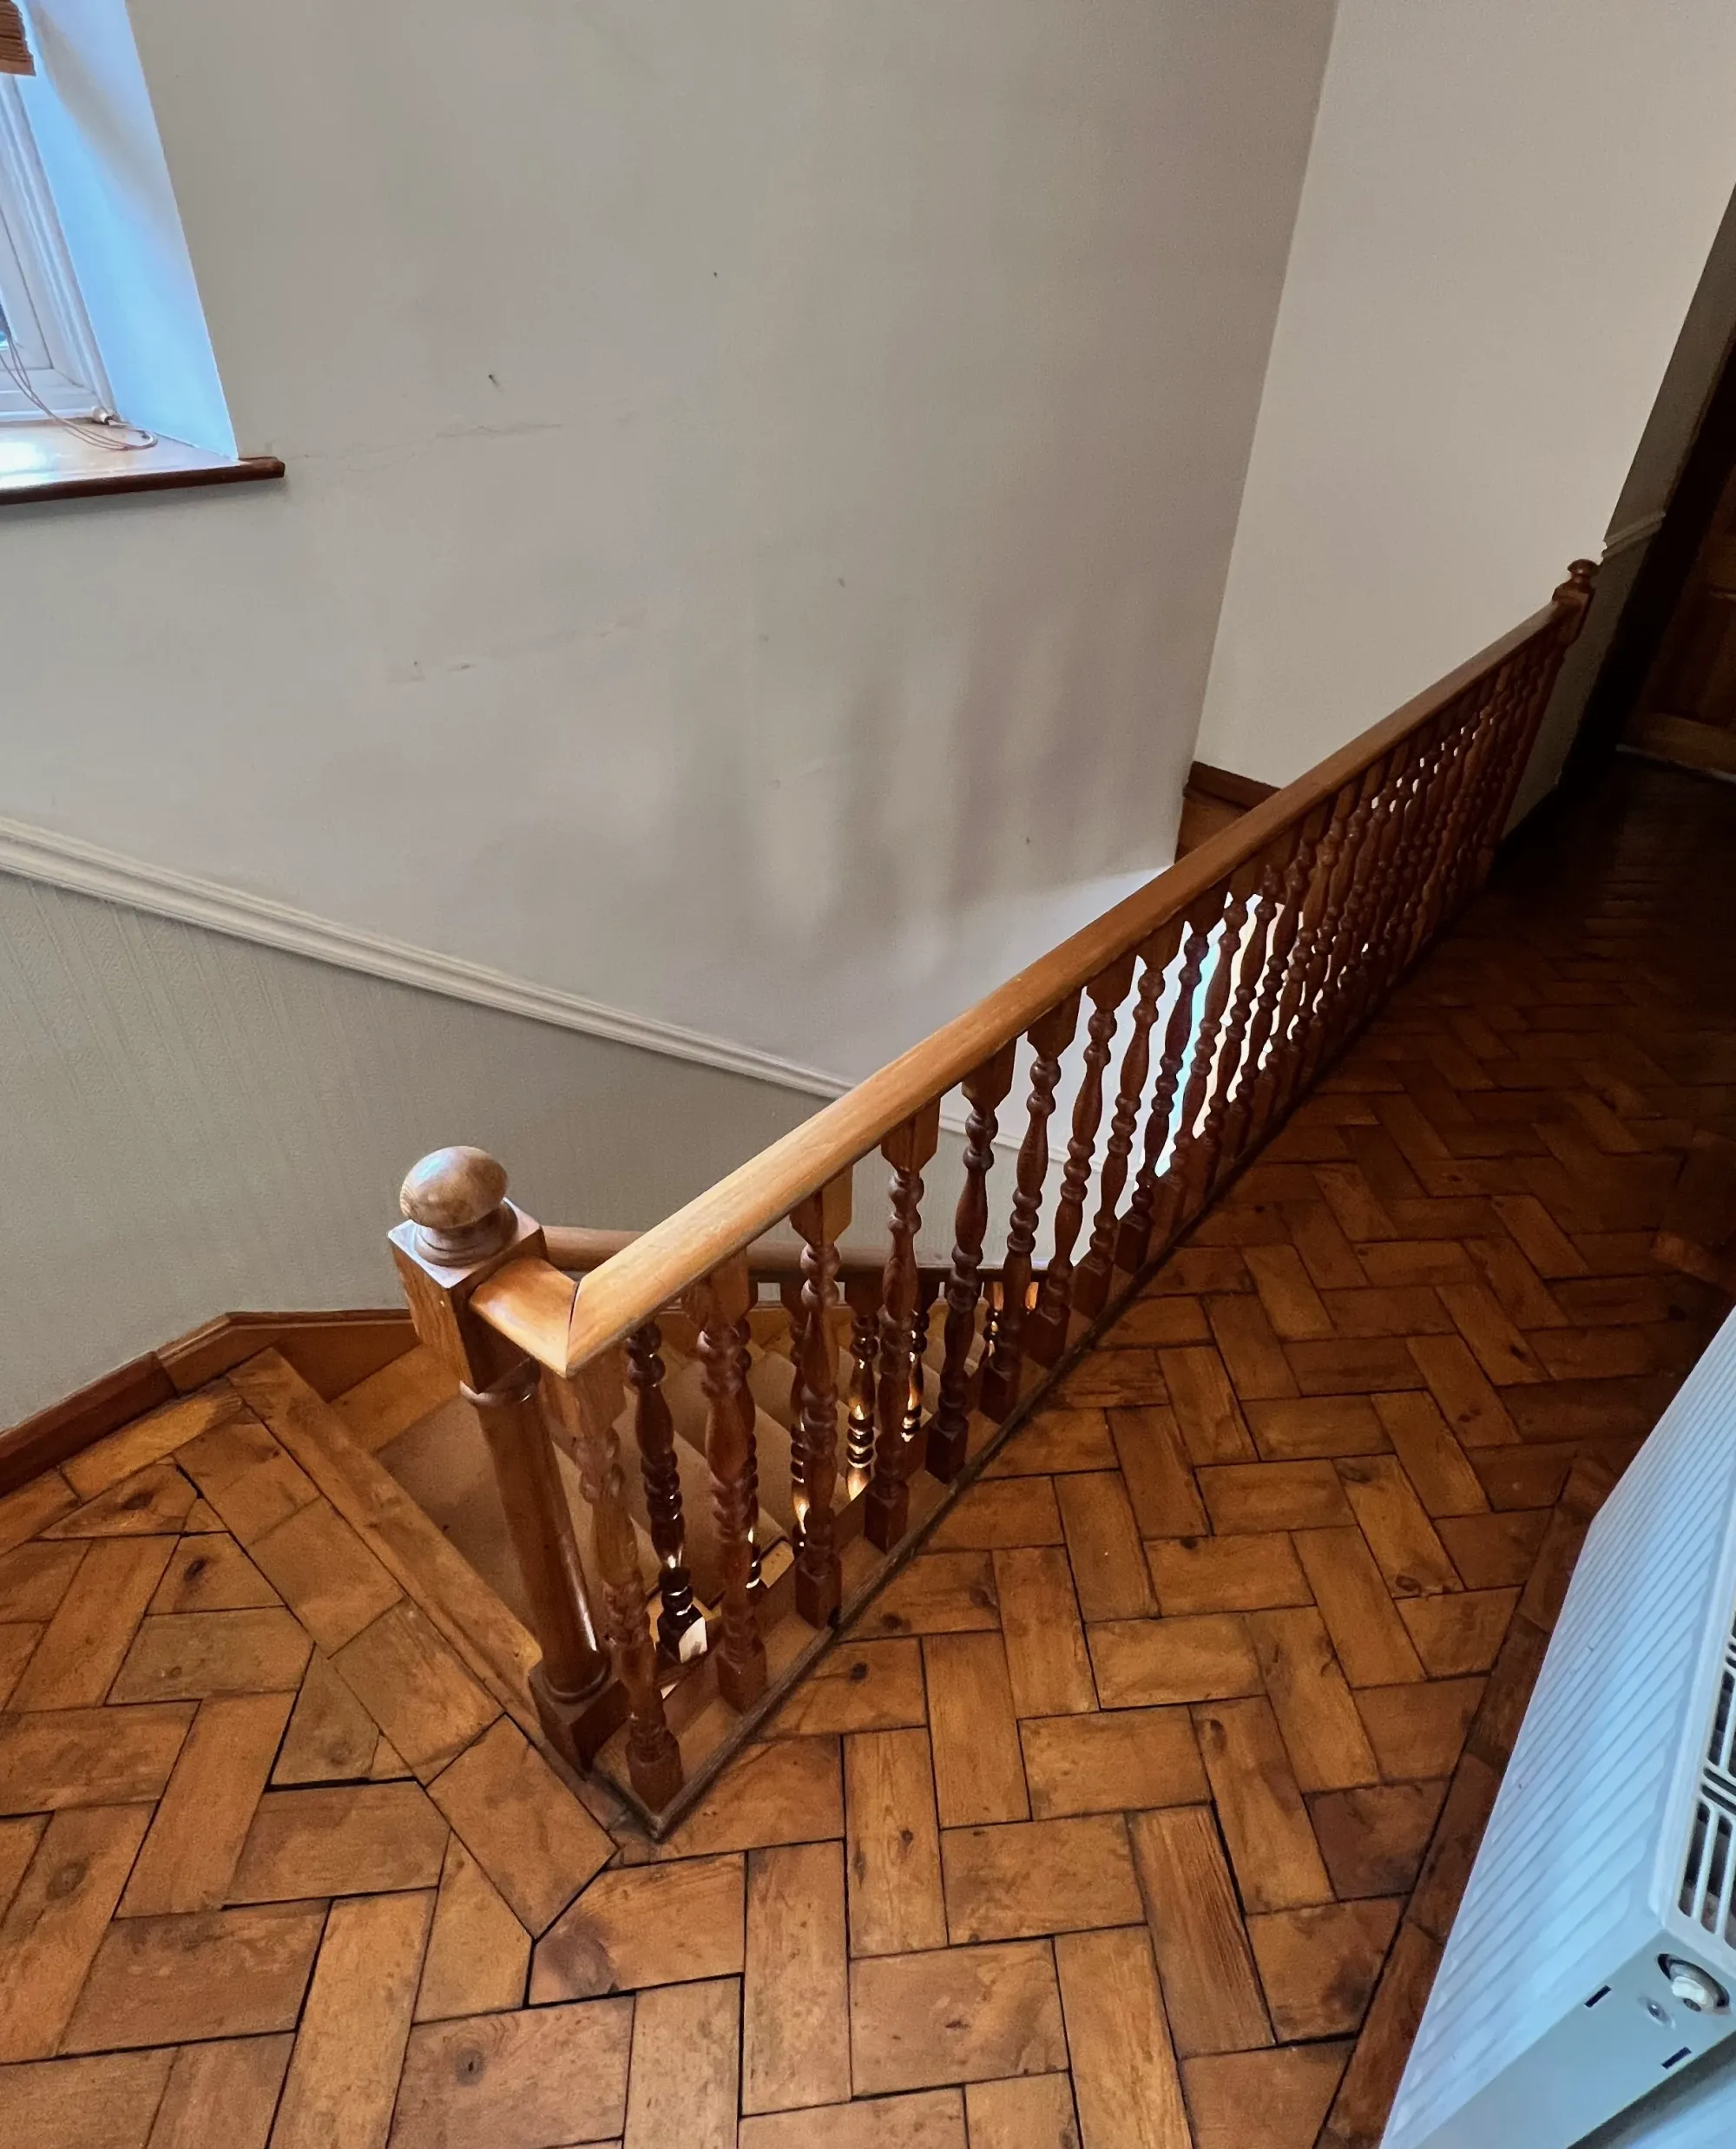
14,51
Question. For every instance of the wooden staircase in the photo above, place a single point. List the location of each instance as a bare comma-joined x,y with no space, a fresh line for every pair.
800,1416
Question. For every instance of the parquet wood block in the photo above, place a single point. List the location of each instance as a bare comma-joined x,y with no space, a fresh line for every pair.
196,1835
1319,1965
1158,1473
1109,1574
1169,1320
1411,1557
893,1843
1372,1645
932,2118
148,1503
786,1789
225,2092
331,1739
1459,1634
978,1768
1374,1838
52,1932
517,2082
1318,1425
1418,1732
149,1439
1211,1990
1056,1441
33,1507
1206,1408
1292,1303
1262,2099
477,1952
1322,1734
86,1641
1124,1760
683,2085
1025,1877
34,1579
1032,2112
1272,1845
795,2032
1251,1573
212,1574
859,1686
645,1925
1125,2079
998,1512
167,1981
955,2014
246,1476
1493,1551
1249,1348
939,1592
196,1655
89,1756
343,2077
1111,1376
106,2103
1265,1496
1047,1664
521,1823
414,1688
325,1573
1161,1663
341,1839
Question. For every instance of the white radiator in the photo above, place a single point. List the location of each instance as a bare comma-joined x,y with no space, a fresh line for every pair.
1602,1905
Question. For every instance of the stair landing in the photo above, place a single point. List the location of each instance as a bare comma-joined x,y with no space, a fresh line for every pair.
1132,1815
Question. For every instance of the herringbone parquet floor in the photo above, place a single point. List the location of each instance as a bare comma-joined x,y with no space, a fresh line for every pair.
1134,1814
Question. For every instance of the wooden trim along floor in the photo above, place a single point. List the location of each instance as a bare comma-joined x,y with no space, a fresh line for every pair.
331,1351
1132,1815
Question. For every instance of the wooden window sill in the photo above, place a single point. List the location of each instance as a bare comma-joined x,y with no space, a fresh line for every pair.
45,462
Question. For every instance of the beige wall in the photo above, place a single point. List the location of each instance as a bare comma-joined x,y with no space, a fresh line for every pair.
761,476
1508,206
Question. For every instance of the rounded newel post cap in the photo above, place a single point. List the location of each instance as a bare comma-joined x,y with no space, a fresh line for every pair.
457,1199
1582,574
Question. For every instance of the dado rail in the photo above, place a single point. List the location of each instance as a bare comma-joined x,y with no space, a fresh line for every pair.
1212,999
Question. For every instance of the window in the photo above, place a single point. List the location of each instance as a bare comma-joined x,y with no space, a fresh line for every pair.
108,379
44,334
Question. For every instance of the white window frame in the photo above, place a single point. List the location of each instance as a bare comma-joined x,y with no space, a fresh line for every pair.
38,290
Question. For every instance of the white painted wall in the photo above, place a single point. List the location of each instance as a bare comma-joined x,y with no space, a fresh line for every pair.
1508,207
761,476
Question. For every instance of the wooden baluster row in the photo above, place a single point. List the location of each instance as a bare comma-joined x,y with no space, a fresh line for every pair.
1139,1225
1256,1092
655,1430
1253,981
590,1403
985,1089
1180,1192
907,1149
1091,1281
1046,1336
819,1221
722,1301
1050,1038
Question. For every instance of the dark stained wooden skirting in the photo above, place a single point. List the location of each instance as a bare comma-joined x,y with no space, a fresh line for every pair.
331,1352
251,469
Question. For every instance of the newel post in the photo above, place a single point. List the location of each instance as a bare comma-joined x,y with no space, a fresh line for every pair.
461,1229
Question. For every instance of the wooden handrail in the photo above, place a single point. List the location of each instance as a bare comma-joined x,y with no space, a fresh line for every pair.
578,1249
563,1327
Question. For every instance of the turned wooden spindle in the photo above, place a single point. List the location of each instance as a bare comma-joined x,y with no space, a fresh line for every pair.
656,1432
950,1428
928,1294
460,1230
819,1221
862,1296
749,1409
1137,1226
1252,1105
723,1299
1049,1038
590,1403
907,1149
1046,1334
1092,1278
790,1295
1232,1070
1180,1196
1345,908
